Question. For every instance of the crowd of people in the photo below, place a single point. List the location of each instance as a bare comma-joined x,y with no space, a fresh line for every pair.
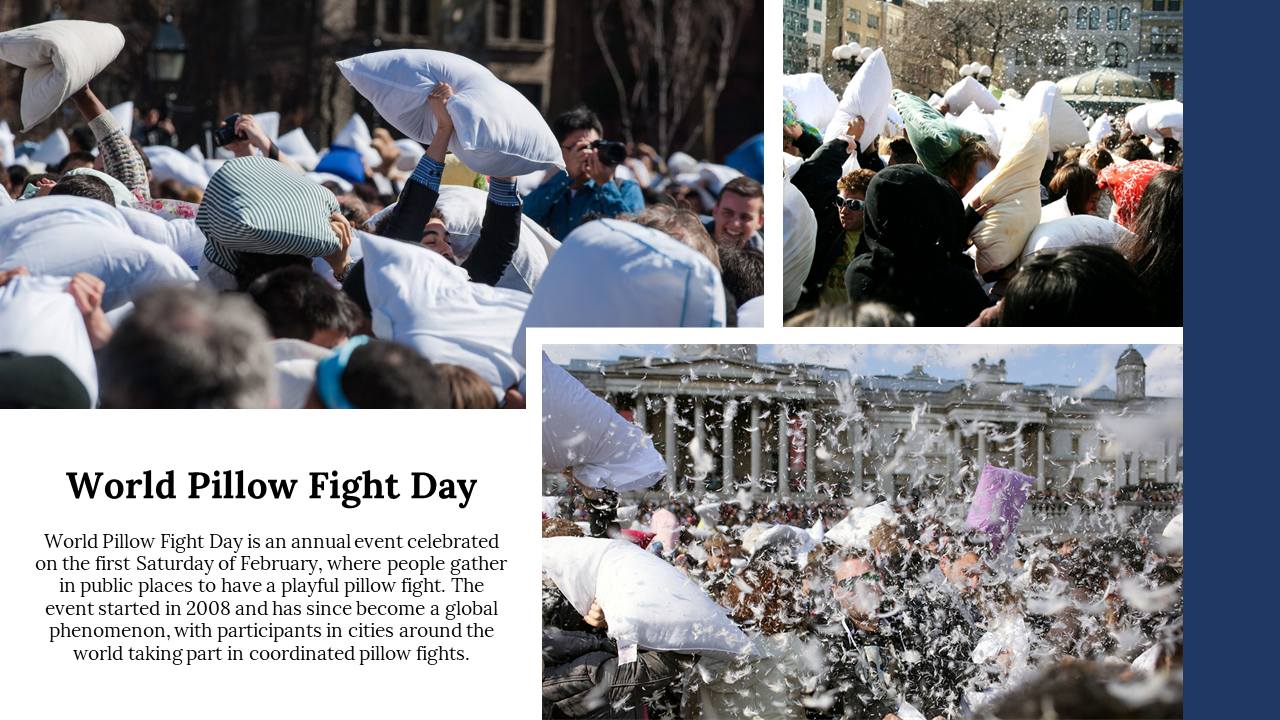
894,237
911,615
259,277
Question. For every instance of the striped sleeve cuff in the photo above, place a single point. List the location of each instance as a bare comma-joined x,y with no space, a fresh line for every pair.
503,192
428,172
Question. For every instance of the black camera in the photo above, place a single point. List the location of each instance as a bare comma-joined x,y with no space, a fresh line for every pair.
227,134
610,153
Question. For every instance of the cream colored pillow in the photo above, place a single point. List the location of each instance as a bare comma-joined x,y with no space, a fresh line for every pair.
1014,185
61,56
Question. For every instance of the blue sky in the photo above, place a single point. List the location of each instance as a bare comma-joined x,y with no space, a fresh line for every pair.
1074,365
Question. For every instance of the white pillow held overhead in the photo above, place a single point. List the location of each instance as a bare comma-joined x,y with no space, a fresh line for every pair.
970,92
60,56
815,103
867,96
497,131
584,434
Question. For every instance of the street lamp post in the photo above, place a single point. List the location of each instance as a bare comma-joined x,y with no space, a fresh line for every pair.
167,56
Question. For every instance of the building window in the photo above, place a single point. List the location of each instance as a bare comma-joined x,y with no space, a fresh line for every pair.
532,24
1117,55
1095,18
1157,4
1025,55
1075,445
871,42
1063,17
419,22
1175,5
855,16
522,19
817,26
1082,19
817,4
1124,18
1056,56
1086,54
815,50
873,21
851,37
1111,18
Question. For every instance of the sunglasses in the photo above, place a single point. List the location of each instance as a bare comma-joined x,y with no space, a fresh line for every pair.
851,204
850,583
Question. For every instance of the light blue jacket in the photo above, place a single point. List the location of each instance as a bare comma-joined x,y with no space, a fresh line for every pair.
552,206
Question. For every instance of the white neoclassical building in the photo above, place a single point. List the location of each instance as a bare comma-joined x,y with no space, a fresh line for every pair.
725,421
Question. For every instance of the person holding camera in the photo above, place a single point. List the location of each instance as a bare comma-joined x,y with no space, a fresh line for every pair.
241,133
587,183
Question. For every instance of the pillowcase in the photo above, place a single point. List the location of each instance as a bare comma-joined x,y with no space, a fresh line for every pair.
1101,128
969,92
799,238
613,273
1066,127
124,196
255,204
424,301
649,604
497,131
170,164
63,235
53,148
61,56
343,161
1151,118
584,434
1014,185
296,145
1073,230
751,312
978,123
867,95
38,317
934,138
815,103
181,236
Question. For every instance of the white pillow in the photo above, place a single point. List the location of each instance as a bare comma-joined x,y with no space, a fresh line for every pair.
1074,230
61,56
124,115
424,301
1066,127
182,236
1014,185
1100,129
497,131
815,103
649,604
270,122
584,434
39,317
172,164
410,153
867,95
296,145
893,125
970,92
751,312
355,134
799,238
612,273
975,121
1056,210
6,144
463,209
296,362
53,148
855,529
1151,118
63,235
123,196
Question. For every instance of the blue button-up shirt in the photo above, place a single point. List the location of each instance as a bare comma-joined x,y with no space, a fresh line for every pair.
555,208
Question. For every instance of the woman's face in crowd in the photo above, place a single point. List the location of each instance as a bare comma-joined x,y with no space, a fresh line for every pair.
576,151
1091,207
436,237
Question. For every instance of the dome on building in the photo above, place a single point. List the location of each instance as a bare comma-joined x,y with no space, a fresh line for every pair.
1106,85
1130,358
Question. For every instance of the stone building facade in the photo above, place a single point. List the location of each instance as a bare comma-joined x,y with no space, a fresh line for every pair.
725,421
1087,35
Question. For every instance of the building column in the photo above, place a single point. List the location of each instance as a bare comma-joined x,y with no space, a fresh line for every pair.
855,441
953,455
1122,473
1040,484
810,451
1171,460
699,423
730,410
1017,452
784,450
670,445
755,445
1135,468
982,449
641,414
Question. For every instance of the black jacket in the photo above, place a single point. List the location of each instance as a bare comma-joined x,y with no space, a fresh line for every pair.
581,677
816,180
911,255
